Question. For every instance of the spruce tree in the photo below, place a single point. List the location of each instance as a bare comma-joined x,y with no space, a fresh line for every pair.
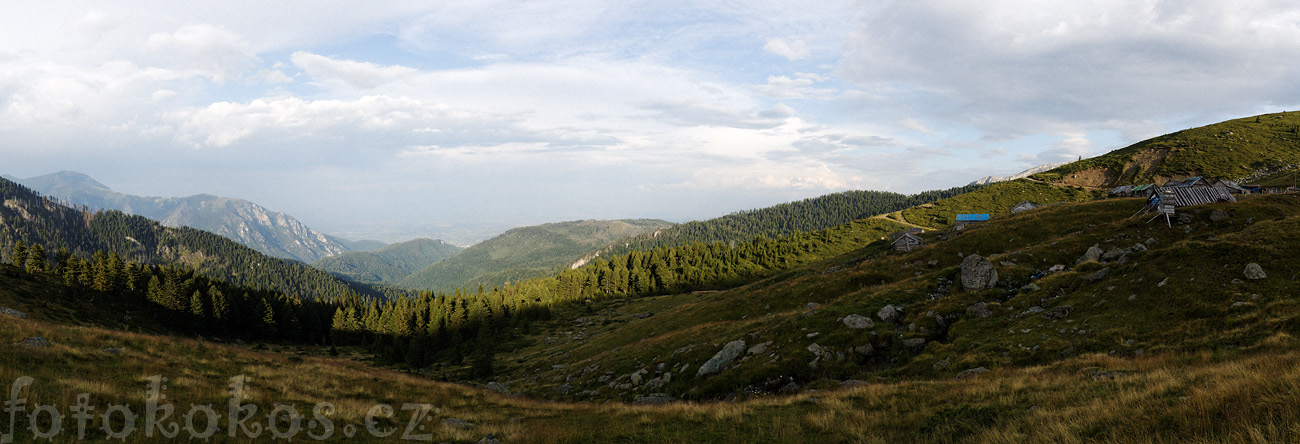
20,254
36,261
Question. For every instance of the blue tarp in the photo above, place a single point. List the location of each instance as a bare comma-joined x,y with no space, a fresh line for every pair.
972,217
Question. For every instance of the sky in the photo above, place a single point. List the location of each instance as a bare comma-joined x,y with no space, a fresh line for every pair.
391,120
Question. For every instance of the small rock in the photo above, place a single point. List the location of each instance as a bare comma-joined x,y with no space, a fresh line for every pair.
6,311
979,310
1031,287
489,439
858,322
1137,248
1162,282
889,314
498,387
864,350
653,399
112,351
457,423
760,348
1092,255
1238,281
942,364
914,344
1033,310
817,350
971,372
1098,275
34,342
1185,219
1151,241
729,353
642,315
811,306
1097,376
1219,215
1254,272
563,389
1058,313
1113,254
1056,268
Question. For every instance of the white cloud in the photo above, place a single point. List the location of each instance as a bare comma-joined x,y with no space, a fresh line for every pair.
362,75
205,49
798,87
793,50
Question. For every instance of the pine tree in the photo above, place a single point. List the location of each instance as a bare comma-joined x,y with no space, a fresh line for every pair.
199,310
37,262
267,314
20,254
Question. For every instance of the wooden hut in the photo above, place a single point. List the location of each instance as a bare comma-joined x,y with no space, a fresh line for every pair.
907,242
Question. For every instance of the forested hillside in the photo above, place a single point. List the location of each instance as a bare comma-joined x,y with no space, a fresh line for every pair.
389,264
812,214
526,253
32,219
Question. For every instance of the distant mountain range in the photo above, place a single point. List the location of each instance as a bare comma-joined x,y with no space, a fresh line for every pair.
389,264
1021,175
274,233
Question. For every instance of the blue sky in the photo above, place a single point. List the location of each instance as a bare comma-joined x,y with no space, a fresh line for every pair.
400,119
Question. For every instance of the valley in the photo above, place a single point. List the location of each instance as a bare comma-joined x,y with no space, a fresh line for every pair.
1079,320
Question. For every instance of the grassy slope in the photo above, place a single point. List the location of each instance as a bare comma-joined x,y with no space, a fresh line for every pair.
1163,397
389,264
1193,313
524,253
996,200
1235,149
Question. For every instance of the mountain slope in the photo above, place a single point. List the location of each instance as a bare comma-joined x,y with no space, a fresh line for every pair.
1021,175
1240,149
33,219
831,210
389,264
526,252
270,232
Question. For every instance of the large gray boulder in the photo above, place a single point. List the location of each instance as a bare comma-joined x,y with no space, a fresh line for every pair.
6,311
858,322
1254,271
1092,255
977,273
889,314
724,357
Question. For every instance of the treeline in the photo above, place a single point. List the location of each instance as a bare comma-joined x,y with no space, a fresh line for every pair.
33,219
184,301
807,215
453,328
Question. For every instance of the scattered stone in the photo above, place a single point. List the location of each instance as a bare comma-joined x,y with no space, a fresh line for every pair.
1056,268
1238,281
1240,304
1137,248
914,344
6,311
1219,215
489,439
811,306
1113,254
1058,313
864,350
1031,287
978,273
890,314
498,387
979,310
942,364
760,348
112,351
1097,376
817,350
1185,219
563,389
653,399
1254,272
851,383
1162,282
1034,310
1092,255
34,342
1098,275
458,423
642,315
729,353
971,372
636,376
1151,241
858,322
813,334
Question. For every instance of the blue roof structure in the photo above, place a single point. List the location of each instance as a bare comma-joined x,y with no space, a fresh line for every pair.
972,217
